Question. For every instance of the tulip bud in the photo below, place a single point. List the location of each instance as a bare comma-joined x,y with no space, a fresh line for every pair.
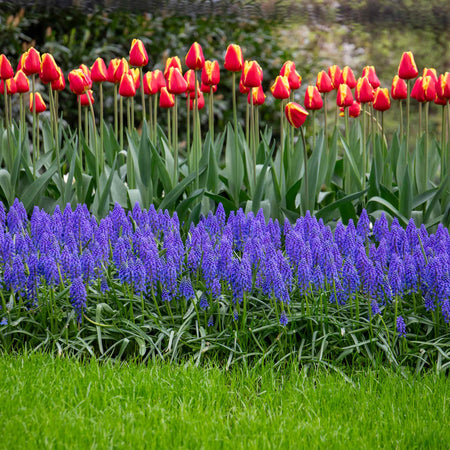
399,90
323,82
138,54
440,100
22,82
6,70
135,73
11,87
31,62
252,74
112,69
211,73
258,96
122,69
21,62
288,70
86,70
153,82
364,90
191,80
173,61
443,85
431,72
280,88
429,88
79,82
38,101
355,109
99,71
49,69
295,114
369,72
84,99
407,68
194,57
166,99
60,83
347,77
200,100
381,101
417,90
344,96
234,61
127,87
206,88
334,72
313,99
2,87
176,84
243,89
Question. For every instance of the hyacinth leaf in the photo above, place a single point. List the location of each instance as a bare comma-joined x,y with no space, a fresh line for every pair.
390,208
162,171
329,212
234,166
406,195
354,169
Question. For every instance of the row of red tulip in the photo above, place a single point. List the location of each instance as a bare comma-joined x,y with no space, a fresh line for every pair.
428,87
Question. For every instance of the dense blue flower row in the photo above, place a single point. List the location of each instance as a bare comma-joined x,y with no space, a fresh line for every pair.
221,256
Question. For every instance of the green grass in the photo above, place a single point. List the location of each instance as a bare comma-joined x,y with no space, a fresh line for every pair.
62,403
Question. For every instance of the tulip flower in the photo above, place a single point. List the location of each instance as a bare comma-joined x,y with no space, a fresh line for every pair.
443,85
6,70
355,109
11,87
295,114
60,83
364,90
252,74
22,82
138,54
323,82
49,69
369,72
381,101
280,88
79,82
176,84
258,96
347,77
399,90
136,77
407,68
172,61
442,101
313,99
243,89
429,88
127,87
111,71
153,82
234,61
86,70
431,72
288,70
201,102
31,62
206,89
21,62
417,90
38,103
211,73
191,80
344,96
84,99
334,72
194,57
99,72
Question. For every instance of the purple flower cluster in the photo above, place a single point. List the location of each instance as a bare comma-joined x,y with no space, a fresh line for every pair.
222,258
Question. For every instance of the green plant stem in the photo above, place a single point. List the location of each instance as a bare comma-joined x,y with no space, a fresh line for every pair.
132,114
150,119
86,126
427,106
169,131
79,131
102,143
7,123
51,110
364,146
121,123
247,124
281,141
188,134
129,124
347,130
401,119
211,115
448,150
305,157
175,142
443,126
325,130
155,117
236,148
116,128
144,113
420,118
97,156
408,101
38,140
196,134
33,89
252,138
314,128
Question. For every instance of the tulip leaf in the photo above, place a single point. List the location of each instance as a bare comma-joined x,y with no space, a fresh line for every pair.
406,195
228,205
184,205
260,181
354,168
234,167
5,185
326,213
162,171
389,207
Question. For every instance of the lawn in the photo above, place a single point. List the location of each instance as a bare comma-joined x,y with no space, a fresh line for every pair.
61,403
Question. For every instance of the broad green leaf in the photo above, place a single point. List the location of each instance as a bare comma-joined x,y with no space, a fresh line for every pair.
326,213
354,169
406,195
390,208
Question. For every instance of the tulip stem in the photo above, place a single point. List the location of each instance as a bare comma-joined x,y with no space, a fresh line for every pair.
132,114
129,114
144,115
33,88
252,137
236,148
150,119
325,117
401,120
86,125
79,131
97,157
22,117
364,148
116,129
448,150
211,115
247,125
121,122
408,100
7,117
175,142
305,176
188,133
443,127
196,134
101,124
427,106
420,118
155,117
38,140
281,141
52,115
169,131
314,128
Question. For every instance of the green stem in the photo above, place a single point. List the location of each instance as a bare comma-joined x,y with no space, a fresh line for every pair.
305,157
169,131
97,157
401,120
188,133
86,126
364,146
175,143
408,101
129,125
79,131
427,106
236,148
314,128
102,145
325,119
132,113
33,88
144,115
252,138
116,128
150,120
121,122
196,134
155,117
281,141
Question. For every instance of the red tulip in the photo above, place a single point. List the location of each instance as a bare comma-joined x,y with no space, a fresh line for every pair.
252,74
288,70
429,88
364,90
381,101
79,82
6,70
347,77
313,99
99,72
166,99
22,82
86,70
136,77
31,62
355,109
369,72
344,96
443,85
21,62
431,73
191,80
49,69
112,69
138,54
127,88
323,82
407,68
243,89
280,88
440,100
176,84
399,90
84,99
417,90
234,61
211,73
206,88
60,83
38,101
194,57
200,100
295,114
173,61
153,82
11,87
258,96
334,72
